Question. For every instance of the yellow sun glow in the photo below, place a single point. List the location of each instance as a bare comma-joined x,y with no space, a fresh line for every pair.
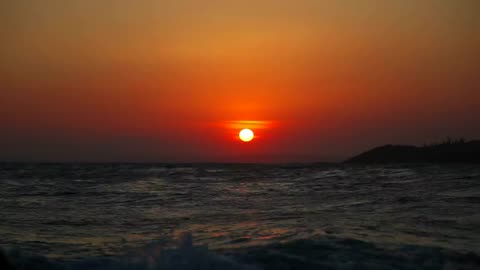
246,135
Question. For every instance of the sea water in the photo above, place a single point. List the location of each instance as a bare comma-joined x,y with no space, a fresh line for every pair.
239,216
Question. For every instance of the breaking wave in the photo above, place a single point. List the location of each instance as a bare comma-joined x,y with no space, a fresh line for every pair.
322,253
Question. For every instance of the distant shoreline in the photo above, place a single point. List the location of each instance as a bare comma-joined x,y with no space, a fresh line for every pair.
447,152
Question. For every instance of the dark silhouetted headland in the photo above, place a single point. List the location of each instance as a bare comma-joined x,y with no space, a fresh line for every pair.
449,151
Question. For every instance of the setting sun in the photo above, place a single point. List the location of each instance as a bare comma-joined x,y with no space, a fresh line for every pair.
246,135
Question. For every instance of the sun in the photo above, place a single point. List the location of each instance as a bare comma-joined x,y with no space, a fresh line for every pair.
246,135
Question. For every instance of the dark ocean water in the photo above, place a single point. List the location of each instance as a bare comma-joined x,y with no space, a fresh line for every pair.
154,216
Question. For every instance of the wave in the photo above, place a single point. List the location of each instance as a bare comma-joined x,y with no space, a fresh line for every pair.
321,253
153,256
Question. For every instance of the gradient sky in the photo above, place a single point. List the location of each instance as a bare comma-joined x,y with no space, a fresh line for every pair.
119,80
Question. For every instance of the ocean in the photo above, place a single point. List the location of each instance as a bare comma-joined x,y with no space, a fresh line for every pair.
239,216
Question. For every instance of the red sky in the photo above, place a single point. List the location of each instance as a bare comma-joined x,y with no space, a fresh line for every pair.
165,80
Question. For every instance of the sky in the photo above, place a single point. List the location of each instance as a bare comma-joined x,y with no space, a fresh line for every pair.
176,80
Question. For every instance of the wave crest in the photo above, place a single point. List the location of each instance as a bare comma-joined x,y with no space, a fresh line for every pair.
322,253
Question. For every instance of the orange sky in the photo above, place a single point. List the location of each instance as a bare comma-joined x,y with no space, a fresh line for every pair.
164,80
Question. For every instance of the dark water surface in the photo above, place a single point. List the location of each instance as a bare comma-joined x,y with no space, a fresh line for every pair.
130,216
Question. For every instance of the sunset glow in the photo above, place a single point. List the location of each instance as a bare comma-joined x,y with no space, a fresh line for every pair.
178,80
